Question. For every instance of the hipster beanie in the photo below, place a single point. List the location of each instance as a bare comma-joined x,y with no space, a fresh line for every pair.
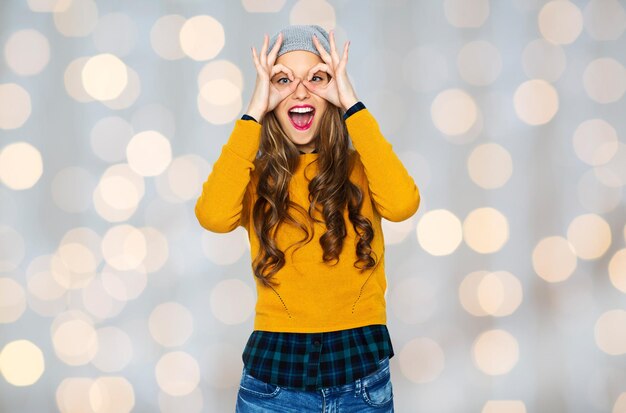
300,37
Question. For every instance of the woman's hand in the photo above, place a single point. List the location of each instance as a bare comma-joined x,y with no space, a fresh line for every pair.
338,90
266,96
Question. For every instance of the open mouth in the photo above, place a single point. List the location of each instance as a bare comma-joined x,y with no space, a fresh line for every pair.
302,119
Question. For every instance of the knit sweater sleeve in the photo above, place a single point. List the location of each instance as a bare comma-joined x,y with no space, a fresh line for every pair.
220,206
395,195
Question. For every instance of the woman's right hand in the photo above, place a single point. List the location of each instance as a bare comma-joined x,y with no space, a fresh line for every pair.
266,95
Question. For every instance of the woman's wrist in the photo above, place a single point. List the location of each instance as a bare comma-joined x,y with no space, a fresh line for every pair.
349,103
256,114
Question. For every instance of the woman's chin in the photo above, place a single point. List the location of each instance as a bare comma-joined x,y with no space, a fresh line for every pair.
299,142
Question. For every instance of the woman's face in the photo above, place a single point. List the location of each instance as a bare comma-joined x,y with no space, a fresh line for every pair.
302,129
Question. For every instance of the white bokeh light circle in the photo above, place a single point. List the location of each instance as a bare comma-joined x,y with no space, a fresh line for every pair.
554,259
605,20
422,360
149,153
486,230
27,52
183,178
454,112
111,394
177,373
595,141
72,395
232,301
320,12
610,332
75,342
490,166
164,37
466,13
15,106
617,270
104,76
439,232
12,300
76,18
21,165
21,363
193,34
544,60
83,253
526,97
40,282
495,352
560,22
129,95
118,193
604,80
590,235
115,349
170,324
479,63
98,302
124,247
157,249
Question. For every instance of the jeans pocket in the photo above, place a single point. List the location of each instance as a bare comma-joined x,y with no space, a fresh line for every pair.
379,392
256,387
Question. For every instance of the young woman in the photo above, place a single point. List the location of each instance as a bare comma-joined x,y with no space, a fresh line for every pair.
312,205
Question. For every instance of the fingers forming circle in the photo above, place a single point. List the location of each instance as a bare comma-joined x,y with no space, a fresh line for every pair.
281,68
344,59
320,66
264,51
274,51
324,54
333,48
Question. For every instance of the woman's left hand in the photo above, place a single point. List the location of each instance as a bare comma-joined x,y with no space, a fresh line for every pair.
338,90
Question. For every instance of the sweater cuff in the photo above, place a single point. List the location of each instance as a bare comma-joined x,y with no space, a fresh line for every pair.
248,117
353,109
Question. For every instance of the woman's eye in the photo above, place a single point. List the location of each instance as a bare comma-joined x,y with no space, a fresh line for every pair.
319,77
282,78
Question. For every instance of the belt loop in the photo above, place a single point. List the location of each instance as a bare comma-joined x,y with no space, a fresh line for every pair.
357,387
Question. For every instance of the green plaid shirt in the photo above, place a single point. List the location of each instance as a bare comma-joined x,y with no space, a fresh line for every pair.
309,361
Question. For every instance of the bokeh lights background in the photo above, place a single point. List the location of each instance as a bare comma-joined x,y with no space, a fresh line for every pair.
506,289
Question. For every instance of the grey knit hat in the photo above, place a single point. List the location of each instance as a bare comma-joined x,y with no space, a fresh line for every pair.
300,37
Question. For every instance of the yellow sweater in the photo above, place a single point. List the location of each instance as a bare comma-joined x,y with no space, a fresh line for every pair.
313,296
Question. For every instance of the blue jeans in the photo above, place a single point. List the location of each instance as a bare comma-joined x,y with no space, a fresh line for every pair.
372,393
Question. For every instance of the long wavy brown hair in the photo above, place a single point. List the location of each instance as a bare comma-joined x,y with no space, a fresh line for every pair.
330,192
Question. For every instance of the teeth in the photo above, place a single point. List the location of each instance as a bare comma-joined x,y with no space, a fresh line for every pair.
301,110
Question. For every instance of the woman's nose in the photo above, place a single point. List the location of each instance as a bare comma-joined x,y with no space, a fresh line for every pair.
301,89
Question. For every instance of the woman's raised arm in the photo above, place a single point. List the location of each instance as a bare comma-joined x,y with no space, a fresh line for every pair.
393,190
220,205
